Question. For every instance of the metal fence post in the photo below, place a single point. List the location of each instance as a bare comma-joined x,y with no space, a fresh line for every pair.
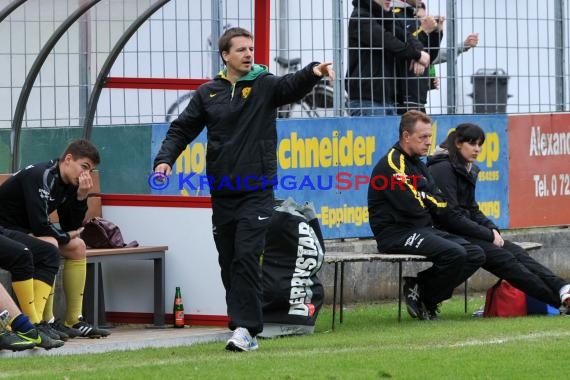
559,65
452,56
338,57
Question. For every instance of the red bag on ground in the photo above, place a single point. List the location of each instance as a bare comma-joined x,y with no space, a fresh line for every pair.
504,300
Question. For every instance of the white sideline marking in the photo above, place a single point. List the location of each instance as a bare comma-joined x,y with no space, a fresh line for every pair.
478,342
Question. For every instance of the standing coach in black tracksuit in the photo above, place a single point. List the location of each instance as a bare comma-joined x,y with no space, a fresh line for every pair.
238,107
402,197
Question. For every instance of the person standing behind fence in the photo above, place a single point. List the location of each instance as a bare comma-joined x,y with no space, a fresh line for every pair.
454,170
239,109
412,88
470,42
401,218
377,41
26,201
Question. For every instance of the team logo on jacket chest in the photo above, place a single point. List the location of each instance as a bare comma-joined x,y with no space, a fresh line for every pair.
44,194
245,92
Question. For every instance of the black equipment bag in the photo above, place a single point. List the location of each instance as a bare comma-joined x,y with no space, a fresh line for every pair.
294,253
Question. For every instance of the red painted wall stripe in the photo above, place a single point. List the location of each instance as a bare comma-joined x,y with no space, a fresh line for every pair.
155,201
154,83
147,318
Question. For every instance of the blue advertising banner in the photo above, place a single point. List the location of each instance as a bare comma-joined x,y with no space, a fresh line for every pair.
189,172
328,162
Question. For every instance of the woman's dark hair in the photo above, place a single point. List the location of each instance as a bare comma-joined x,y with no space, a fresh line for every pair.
466,132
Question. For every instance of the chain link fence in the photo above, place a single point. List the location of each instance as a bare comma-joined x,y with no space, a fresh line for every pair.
519,65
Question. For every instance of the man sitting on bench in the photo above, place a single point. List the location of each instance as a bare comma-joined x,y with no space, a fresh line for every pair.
402,198
26,201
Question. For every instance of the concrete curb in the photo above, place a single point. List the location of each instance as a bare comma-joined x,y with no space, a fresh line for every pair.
129,339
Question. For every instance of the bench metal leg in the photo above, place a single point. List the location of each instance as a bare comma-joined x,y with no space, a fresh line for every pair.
341,290
96,268
89,293
334,294
93,296
159,289
399,291
465,296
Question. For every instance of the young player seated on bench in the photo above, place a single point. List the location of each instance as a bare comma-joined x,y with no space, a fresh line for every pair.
27,199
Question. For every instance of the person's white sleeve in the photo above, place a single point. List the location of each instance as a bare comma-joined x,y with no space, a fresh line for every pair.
443,53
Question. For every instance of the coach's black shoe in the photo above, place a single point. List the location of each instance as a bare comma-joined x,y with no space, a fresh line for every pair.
412,295
430,313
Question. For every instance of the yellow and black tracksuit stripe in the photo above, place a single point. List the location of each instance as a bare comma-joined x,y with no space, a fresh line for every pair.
401,170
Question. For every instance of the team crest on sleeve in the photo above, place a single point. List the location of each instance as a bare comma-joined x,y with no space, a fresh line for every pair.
245,92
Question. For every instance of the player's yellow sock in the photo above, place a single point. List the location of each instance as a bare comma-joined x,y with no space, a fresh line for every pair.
74,273
48,307
25,294
43,291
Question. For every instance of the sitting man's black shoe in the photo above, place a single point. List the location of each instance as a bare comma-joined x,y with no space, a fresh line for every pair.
412,295
429,313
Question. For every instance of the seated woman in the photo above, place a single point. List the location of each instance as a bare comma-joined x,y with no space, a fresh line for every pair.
454,171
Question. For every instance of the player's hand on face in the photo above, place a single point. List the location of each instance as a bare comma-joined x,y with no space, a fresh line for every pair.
85,184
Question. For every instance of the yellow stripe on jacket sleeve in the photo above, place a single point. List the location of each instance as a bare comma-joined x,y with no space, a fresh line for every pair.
435,202
402,172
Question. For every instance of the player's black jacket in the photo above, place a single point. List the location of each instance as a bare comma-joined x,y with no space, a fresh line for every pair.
30,195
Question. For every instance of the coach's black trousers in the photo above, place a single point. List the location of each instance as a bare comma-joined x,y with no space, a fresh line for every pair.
239,227
454,258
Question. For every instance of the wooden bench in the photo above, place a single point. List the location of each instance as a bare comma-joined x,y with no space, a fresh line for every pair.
93,298
340,258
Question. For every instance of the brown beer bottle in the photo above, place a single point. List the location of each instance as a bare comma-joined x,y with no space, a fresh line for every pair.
178,309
